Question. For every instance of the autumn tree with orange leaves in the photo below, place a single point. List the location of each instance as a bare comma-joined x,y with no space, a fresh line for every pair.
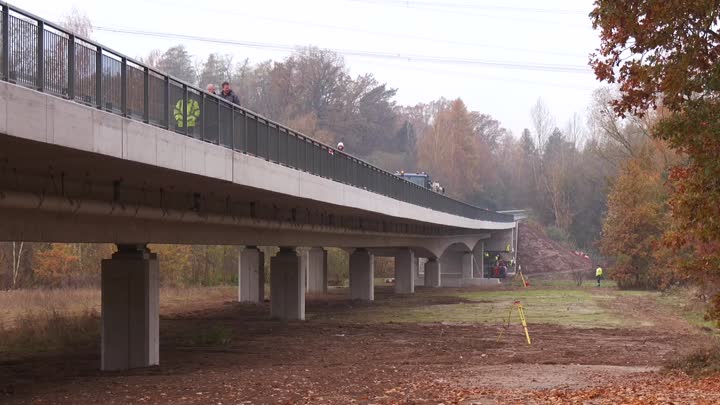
453,150
55,266
667,52
637,218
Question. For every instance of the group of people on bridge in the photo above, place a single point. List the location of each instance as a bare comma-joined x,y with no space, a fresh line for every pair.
193,111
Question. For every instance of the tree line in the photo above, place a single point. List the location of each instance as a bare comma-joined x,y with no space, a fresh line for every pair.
555,171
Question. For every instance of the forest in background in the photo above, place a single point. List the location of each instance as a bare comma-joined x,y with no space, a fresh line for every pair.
581,179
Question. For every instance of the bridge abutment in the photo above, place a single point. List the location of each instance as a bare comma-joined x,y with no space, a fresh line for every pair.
287,286
501,241
362,275
130,309
251,275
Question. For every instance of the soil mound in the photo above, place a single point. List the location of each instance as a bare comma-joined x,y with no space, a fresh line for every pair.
540,255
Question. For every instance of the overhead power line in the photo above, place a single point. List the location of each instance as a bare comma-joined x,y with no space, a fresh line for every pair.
456,73
470,6
378,33
460,61
500,14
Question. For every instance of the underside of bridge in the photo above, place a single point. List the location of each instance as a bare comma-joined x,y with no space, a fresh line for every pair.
74,187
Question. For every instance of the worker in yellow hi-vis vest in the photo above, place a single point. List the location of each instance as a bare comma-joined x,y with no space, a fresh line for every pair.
598,275
193,114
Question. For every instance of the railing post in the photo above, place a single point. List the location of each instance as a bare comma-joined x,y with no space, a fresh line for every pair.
232,127
71,67
219,132
123,87
146,95
185,110
5,42
98,78
202,116
268,147
245,133
257,136
166,107
40,79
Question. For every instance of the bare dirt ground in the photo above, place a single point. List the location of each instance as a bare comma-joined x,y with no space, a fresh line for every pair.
246,358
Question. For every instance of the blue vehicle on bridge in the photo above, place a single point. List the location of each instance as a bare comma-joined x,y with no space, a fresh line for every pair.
422,179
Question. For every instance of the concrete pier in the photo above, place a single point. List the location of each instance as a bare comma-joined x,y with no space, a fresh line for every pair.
467,265
420,271
251,275
362,275
130,306
479,255
432,273
287,286
405,264
317,270
451,269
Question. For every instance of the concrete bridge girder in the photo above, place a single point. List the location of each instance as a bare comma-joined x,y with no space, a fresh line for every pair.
40,130
434,248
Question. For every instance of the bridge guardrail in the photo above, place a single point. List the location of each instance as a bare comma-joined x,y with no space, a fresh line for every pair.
41,55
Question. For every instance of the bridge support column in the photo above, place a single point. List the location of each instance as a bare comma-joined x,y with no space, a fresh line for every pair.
251,275
467,265
362,275
130,306
479,255
287,286
317,270
405,264
454,268
432,273
420,271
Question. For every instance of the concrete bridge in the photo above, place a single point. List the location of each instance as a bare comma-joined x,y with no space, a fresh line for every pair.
91,150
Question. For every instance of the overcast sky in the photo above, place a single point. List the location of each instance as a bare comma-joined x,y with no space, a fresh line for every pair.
498,56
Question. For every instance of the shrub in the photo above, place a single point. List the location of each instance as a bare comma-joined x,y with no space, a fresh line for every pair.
44,331
216,335
558,235
699,362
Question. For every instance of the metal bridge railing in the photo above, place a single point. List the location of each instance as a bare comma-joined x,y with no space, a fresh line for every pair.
43,56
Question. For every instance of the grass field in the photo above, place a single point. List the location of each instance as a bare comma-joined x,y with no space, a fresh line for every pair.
559,303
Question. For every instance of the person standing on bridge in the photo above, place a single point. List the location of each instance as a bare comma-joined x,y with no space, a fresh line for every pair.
228,94
599,275
192,112
210,118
